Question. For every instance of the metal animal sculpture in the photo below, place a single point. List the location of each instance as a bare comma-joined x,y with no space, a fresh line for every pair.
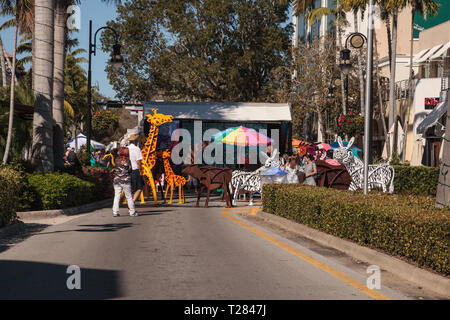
172,179
149,149
251,181
211,178
380,175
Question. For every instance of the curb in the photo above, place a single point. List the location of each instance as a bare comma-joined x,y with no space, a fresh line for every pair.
395,266
65,212
12,229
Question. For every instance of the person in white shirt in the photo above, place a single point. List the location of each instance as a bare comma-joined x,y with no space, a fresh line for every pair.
137,182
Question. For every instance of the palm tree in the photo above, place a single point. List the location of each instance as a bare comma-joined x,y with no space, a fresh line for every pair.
20,9
3,65
423,7
43,61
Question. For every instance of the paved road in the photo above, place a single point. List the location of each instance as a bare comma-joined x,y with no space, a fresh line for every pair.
173,252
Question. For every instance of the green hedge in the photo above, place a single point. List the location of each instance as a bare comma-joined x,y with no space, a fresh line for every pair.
9,195
416,180
60,190
401,225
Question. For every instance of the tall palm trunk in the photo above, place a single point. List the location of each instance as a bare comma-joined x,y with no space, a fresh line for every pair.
392,104
12,97
380,98
58,84
8,62
360,69
410,84
3,65
42,151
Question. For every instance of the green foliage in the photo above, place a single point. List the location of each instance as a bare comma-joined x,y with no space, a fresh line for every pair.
350,125
104,124
27,196
102,179
60,190
9,195
206,50
84,158
416,180
406,226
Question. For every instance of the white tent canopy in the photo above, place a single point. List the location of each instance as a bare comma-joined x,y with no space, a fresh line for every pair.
81,141
224,111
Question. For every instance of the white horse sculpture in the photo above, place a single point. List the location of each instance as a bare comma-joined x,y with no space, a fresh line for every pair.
379,174
251,181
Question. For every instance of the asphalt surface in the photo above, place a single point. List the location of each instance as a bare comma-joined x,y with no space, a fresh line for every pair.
173,252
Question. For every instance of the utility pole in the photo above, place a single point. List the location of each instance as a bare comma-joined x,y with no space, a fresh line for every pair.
368,109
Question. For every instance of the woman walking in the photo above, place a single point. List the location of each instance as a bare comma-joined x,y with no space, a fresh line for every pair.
122,181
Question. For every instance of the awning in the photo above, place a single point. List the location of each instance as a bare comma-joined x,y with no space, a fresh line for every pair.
433,117
442,51
224,111
429,53
418,56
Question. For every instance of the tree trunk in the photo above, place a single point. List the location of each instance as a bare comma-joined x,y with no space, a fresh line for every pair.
410,85
443,188
12,97
3,66
8,63
360,70
58,85
389,41
392,104
42,152
380,98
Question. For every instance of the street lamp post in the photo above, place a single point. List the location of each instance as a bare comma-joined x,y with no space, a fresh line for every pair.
368,109
116,61
356,40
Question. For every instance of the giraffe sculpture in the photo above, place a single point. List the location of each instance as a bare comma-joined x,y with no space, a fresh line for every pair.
172,179
149,149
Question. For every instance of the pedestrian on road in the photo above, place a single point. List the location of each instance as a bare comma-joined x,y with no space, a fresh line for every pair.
137,181
122,181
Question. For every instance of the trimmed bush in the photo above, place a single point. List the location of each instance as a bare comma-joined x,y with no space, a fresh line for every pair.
401,225
416,180
102,179
60,190
9,195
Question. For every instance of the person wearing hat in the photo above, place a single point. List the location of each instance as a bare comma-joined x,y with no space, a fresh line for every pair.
137,182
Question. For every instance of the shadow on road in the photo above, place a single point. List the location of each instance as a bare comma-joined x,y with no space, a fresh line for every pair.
29,230
108,227
35,280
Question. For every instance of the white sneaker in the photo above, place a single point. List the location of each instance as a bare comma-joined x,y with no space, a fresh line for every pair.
116,215
135,214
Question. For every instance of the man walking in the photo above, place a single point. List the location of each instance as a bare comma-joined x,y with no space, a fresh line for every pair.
137,182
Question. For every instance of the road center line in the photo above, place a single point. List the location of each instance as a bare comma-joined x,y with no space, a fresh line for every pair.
322,266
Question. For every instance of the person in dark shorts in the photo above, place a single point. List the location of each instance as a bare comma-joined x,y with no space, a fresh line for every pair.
137,182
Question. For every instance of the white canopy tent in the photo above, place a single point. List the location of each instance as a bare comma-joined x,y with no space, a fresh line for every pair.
81,141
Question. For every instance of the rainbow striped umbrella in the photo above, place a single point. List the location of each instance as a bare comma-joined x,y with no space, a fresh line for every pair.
241,136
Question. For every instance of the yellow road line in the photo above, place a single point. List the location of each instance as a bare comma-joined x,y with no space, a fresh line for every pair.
322,266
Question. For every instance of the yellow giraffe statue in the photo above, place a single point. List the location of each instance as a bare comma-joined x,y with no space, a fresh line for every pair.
172,179
149,149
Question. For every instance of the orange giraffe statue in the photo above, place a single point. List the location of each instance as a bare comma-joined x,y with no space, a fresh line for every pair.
172,179
149,149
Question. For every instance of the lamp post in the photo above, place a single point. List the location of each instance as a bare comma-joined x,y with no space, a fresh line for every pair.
356,40
116,61
368,109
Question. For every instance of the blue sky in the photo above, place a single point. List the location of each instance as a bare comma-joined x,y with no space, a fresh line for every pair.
99,13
